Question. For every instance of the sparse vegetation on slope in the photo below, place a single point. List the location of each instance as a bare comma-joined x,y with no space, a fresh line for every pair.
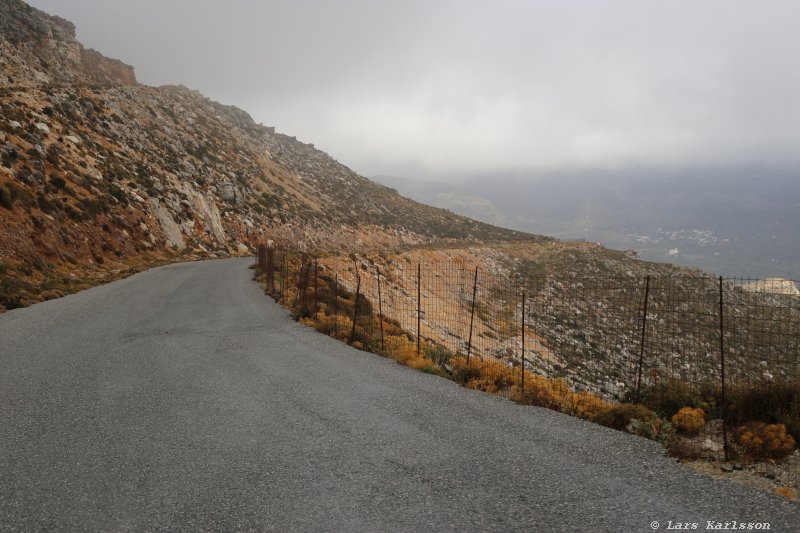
99,172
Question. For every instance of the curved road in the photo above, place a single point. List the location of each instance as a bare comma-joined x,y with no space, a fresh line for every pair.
184,399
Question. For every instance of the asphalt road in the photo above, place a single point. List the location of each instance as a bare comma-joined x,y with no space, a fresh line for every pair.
184,399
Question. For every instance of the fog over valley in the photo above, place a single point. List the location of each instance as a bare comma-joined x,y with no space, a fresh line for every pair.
731,221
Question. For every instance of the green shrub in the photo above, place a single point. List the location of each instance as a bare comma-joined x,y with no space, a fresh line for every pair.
672,395
464,373
53,156
49,205
10,289
438,354
656,429
75,214
119,194
5,197
58,182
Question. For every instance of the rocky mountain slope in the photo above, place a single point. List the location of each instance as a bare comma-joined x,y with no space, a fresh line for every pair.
100,173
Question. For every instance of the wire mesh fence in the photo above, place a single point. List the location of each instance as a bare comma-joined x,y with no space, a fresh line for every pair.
578,344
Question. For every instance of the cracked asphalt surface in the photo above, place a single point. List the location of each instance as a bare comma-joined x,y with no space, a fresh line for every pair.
184,399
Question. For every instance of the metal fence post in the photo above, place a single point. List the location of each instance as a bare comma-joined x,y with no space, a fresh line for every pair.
722,368
262,259
300,297
472,314
335,304
522,372
284,285
643,340
316,288
355,308
419,304
380,306
271,269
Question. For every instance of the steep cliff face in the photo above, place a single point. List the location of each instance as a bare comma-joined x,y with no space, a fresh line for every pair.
38,48
99,172
100,70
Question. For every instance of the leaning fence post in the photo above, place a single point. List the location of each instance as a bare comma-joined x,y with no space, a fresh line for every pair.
271,269
419,304
522,372
262,259
644,339
380,307
285,274
300,297
722,367
316,288
336,305
472,314
355,308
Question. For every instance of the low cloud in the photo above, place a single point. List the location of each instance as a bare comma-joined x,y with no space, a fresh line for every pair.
450,87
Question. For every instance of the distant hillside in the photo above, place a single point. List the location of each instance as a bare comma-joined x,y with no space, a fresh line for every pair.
732,221
99,172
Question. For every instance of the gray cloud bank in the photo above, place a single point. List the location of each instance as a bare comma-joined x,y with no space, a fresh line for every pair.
439,88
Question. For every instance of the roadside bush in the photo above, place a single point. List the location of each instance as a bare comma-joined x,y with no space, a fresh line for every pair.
334,326
582,404
491,378
656,429
438,354
774,403
764,441
671,395
620,416
689,420
404,352
464,373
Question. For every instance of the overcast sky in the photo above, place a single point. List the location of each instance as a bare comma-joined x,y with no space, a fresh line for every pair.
446,88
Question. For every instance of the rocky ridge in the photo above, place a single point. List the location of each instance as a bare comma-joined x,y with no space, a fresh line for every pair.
99,172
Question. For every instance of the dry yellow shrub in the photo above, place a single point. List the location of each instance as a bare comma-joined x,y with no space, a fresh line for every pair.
490,376
689,421
556,394
401,349
584,404
426,364
786,492
764,441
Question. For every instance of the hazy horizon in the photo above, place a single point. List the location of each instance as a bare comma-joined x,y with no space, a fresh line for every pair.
449,89
665,127
733,222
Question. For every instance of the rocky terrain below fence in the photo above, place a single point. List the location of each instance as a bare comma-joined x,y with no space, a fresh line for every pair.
585,313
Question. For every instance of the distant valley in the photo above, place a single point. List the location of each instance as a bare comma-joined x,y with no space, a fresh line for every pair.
734,222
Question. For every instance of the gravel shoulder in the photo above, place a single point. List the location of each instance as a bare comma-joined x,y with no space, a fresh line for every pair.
182,398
